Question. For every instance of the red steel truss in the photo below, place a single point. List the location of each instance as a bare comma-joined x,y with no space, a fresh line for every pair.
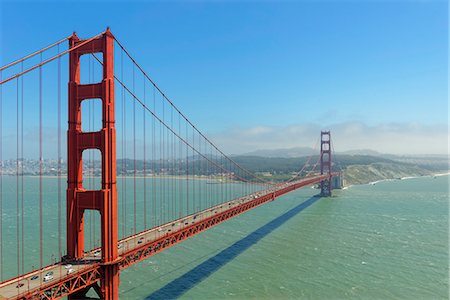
69,285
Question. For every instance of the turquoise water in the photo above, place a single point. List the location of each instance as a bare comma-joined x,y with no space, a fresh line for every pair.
165,198
383,241
387,241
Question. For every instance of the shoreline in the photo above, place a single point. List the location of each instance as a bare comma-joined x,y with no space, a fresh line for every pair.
406,178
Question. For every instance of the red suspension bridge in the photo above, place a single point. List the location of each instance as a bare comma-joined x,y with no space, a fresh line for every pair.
172,182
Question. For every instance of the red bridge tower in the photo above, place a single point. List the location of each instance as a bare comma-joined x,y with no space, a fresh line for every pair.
325,163
78,198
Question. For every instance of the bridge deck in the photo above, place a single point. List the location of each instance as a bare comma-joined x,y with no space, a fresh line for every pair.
138,247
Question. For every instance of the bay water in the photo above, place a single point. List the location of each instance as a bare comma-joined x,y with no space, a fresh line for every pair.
383,241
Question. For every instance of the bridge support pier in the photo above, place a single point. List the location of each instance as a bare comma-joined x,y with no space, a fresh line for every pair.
325,163
110,282
78,198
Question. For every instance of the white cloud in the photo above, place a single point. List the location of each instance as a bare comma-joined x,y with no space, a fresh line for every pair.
394,138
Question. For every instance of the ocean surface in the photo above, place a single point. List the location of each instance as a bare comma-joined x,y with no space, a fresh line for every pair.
382,241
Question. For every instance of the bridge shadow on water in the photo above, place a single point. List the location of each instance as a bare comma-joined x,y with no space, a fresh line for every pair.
185,282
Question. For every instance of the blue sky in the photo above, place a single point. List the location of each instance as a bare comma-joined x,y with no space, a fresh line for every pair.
241,70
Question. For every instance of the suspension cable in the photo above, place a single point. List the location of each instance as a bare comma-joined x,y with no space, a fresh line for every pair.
176,134
304,166
314,167
190,123
338,163
34,54
50,59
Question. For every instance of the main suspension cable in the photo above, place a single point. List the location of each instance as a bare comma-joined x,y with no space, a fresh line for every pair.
187,120
304,166
50,59
176,134
34,54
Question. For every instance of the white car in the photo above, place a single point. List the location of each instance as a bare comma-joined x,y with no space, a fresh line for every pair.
48,277
68,266
70,271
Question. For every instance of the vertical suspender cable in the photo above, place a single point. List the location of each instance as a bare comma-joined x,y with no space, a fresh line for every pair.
164,164
187,172
160,187
169,208
172,185
193,171
40,167
205,174
161,181
230,184
21,173
144,164
154,162
124,196
59,161
134,157
211,173
121,148
17,179
165,196
167,166
223,180
229,180
208,174
162,154
180,185
201,187
197,182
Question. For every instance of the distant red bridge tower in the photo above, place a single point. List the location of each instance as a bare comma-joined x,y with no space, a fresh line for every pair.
325,163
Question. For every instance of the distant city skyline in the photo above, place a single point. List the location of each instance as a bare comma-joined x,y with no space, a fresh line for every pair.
268,75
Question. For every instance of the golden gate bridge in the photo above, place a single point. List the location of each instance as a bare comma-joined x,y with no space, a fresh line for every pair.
176,184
